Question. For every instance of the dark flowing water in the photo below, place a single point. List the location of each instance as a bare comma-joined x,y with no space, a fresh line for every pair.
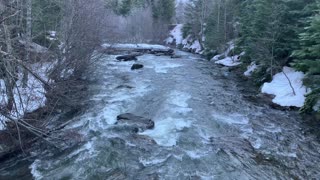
204,128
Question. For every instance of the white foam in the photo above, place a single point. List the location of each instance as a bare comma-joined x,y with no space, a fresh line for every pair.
34,171
146,162
166,132
257,143
160,64
196,154
288,154
179,99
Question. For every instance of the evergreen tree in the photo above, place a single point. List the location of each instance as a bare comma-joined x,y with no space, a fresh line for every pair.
221,24
192,14
197,13
308,59
125,7
163,10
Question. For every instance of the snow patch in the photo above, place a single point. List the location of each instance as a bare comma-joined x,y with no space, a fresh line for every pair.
250,69
231,46
196,46
280,87
26,99
230,61
175,35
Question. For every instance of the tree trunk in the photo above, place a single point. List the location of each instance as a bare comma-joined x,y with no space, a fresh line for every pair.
225,21
218,21
29,39
10,73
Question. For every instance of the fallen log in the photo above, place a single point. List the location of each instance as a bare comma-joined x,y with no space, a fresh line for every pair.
128,57
167,52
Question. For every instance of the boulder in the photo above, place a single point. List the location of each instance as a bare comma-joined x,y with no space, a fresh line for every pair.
136,66
136,121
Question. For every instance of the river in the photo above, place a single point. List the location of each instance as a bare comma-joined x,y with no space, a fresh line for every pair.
204,128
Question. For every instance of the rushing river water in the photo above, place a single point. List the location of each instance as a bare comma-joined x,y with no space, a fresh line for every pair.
204,128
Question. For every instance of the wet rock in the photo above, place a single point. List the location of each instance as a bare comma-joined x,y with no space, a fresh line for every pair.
129,57
153,176
136,66
137,121
124,87
267,99
175,56
141,139
116,174
126,128
237,145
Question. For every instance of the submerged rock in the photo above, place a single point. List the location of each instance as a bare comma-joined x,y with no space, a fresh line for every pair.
137,121
175,56
136,66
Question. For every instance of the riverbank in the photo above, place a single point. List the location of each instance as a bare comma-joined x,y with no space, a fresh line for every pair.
252,93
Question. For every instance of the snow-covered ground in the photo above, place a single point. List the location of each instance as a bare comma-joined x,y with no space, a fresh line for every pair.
280,87
26,99
176,36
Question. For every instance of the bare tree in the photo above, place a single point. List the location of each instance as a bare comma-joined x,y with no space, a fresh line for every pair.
28,39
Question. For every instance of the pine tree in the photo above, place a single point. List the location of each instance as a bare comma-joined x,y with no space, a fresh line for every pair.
163,10
221,24
308,59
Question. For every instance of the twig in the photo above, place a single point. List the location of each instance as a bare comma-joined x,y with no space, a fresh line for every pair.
14,14
294,93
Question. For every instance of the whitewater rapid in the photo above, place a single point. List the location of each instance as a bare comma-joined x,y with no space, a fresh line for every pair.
204,128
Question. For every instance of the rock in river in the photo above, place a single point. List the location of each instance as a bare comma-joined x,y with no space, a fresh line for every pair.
141,122
136,66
